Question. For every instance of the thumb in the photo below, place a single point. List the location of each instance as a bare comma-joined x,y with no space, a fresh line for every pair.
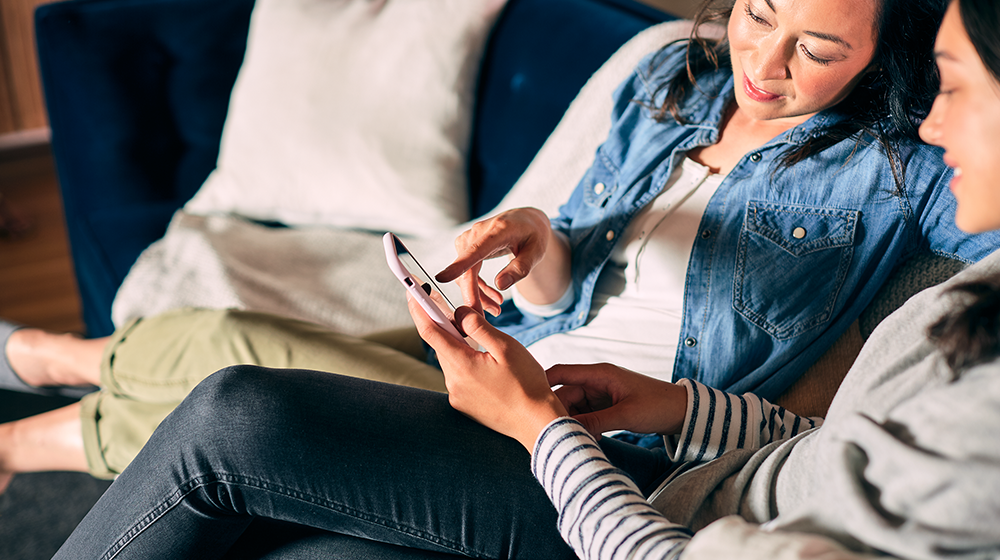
592,422
476,327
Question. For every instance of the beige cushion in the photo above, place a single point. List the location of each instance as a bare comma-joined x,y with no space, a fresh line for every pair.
352,113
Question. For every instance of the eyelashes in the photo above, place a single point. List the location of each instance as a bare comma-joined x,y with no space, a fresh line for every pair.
752,16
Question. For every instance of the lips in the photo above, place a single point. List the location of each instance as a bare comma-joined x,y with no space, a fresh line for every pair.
956,175
757,94
956,178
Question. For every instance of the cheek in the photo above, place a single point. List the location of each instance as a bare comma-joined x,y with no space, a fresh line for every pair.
972,135
822,86
739,43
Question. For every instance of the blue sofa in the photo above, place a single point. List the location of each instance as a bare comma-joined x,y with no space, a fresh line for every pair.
137,92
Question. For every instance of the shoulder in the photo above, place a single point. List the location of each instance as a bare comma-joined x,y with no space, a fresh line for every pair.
654,71
661,66
918,165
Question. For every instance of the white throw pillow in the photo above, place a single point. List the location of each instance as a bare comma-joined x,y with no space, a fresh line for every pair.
352,113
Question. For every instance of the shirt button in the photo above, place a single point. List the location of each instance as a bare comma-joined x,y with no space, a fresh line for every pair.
755,157
610,235
598,188
799,232
706,233
690,341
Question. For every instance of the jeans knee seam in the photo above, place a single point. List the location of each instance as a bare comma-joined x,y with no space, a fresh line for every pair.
345,509
192,485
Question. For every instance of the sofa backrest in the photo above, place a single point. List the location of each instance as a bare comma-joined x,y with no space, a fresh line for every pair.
137,92
539,55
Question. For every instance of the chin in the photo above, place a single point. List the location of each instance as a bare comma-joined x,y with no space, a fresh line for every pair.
976,224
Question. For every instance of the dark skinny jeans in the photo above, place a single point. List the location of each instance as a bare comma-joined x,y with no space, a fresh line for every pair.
267,463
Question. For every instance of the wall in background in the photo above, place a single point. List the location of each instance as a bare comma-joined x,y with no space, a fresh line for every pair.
683,8
21,104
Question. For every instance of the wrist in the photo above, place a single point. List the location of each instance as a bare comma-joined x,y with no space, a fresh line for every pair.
547,412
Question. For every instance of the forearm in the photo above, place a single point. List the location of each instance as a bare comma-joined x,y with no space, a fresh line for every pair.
602,515
550,277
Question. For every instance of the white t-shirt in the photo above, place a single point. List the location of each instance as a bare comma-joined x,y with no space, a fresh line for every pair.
638,303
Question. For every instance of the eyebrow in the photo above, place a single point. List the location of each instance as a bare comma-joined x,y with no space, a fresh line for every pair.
828,37
818,35
944,55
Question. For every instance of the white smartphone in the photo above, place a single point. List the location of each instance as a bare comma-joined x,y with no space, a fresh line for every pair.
419,284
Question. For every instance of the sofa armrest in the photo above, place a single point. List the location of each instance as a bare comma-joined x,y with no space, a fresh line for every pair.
137,92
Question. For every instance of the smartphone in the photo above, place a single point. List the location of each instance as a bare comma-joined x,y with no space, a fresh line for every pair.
419,284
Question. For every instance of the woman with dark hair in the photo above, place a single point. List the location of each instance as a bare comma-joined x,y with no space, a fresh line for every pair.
965,120
906,463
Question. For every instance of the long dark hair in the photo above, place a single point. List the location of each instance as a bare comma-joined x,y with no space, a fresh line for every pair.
970,334
888,103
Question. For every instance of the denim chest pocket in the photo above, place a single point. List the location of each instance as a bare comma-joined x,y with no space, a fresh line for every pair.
791,263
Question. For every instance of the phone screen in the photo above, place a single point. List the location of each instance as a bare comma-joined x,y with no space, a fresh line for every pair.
427,283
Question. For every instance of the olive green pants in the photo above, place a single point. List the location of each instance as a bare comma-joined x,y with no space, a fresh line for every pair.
151,364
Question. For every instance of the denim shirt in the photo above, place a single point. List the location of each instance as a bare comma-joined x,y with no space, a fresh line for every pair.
786,258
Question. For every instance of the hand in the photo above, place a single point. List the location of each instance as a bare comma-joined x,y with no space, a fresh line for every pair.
503,388
605,397
521,232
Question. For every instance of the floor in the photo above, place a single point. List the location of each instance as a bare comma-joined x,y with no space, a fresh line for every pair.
37,287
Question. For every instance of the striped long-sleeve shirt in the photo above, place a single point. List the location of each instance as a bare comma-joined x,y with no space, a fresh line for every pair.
603,515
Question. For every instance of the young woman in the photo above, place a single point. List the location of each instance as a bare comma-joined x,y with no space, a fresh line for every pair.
749,201
905,465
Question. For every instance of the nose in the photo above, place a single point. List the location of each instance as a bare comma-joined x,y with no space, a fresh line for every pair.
930,129
771,59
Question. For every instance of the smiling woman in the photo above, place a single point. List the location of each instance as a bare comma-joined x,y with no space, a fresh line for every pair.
794,58
791,59
965,118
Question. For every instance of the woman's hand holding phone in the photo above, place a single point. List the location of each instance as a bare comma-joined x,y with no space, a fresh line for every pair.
502,387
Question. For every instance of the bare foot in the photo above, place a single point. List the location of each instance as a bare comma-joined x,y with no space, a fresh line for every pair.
44,359
50,441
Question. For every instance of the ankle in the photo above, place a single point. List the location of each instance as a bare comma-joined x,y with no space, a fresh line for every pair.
18,352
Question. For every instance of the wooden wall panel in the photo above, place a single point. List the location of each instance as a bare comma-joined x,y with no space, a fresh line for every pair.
20,64
683,8
6,102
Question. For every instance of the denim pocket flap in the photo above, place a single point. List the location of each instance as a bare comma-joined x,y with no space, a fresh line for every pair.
801,230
